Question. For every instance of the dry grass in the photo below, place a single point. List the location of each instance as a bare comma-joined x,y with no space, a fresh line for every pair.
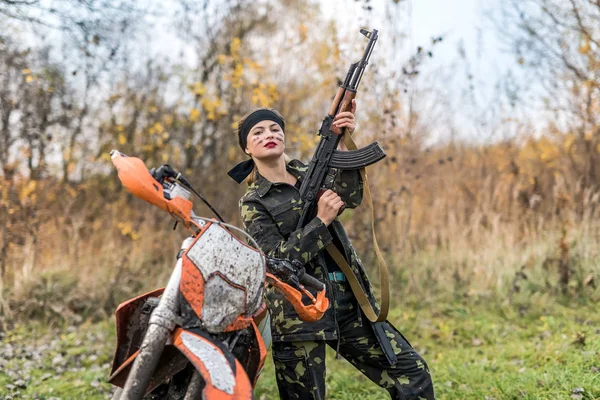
455,222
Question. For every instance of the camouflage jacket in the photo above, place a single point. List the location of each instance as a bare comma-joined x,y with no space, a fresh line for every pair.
270,212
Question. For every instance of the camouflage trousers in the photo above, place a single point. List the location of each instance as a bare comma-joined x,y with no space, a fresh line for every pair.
300,365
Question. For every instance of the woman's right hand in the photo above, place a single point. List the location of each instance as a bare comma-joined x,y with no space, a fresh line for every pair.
329,206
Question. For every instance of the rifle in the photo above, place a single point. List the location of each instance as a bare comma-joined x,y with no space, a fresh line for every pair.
326,156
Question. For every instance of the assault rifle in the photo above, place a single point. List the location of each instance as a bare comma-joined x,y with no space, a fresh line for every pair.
326,156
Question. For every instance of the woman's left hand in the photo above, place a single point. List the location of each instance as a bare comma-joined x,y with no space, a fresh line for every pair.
345,120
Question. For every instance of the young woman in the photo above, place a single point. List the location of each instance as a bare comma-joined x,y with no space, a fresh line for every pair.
270,211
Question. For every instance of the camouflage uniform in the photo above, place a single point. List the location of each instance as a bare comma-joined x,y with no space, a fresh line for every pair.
270,212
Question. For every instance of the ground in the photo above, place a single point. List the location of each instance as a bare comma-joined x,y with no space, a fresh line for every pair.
484,350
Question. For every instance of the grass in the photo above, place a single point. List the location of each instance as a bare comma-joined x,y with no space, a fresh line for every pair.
541,349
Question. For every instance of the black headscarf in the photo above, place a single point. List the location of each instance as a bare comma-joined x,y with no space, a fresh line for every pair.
243,169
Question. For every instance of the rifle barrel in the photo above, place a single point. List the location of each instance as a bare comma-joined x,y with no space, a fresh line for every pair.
362,64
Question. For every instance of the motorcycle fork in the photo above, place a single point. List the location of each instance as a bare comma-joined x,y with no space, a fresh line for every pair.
160,326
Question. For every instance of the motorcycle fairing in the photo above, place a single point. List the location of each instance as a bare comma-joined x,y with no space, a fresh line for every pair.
137,179
224,376
222,279
171,362
132,322
311,312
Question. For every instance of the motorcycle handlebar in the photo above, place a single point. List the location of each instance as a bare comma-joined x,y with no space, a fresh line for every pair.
312,282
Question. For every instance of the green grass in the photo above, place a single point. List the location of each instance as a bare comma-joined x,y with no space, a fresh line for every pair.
538,350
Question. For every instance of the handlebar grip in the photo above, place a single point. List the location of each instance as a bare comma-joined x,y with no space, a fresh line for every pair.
312,282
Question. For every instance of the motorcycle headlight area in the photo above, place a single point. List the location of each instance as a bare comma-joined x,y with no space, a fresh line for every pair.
232,276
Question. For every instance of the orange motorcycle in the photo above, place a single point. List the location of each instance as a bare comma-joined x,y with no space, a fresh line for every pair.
205,335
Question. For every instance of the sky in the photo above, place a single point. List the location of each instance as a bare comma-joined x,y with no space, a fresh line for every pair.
464,24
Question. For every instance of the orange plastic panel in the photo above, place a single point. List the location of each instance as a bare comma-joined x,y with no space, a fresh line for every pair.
309,313
224,381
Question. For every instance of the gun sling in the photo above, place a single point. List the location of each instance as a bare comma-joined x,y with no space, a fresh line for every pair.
359,293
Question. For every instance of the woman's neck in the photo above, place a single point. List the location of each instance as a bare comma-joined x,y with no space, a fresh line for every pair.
273,170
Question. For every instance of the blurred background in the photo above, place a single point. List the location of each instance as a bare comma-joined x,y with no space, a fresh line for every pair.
486,204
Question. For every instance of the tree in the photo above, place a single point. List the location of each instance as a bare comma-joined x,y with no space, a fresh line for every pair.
560,42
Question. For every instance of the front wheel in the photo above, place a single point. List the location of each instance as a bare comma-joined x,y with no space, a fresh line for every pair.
117,394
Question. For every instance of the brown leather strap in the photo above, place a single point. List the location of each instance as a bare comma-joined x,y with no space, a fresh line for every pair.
358,291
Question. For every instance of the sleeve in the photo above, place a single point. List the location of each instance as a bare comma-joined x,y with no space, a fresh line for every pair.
348,184
302,245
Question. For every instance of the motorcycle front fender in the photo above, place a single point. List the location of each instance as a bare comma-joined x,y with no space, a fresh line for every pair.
224,376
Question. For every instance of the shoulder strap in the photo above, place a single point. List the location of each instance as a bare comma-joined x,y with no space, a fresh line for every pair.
359,293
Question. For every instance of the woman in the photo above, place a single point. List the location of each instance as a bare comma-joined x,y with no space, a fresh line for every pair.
270,211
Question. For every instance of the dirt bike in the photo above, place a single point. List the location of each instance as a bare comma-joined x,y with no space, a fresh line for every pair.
206,334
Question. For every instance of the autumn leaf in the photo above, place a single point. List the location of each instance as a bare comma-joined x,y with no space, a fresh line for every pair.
303,32
194,114
235,46
27,191
198,88
584,48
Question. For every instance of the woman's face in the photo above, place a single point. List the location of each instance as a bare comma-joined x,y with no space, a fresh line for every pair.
265,141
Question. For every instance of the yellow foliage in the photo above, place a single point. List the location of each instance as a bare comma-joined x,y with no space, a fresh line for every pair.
28,78
303,32
307,142
529,151
122,139
232,153
236,43
72,192
585,47
222,59
26,71
194,114
264,95
198,88
168,119
251,64
568,142
211,106
157,128
127,230
27,192
236,76
549,151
